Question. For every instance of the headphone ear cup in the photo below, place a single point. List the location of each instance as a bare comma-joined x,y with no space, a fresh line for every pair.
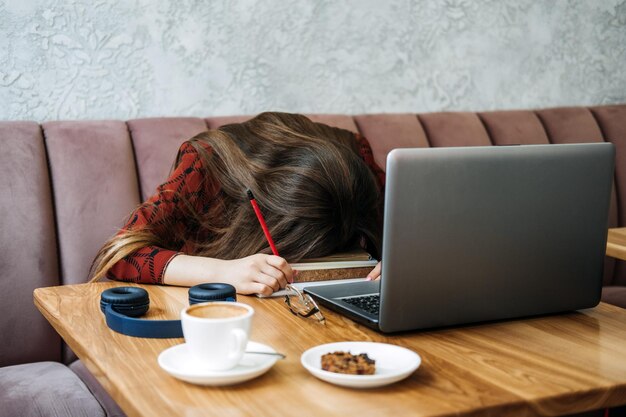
202,293
129,301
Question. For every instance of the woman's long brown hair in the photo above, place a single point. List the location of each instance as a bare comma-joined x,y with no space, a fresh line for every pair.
316,194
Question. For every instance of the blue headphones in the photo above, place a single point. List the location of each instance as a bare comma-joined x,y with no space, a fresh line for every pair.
123,305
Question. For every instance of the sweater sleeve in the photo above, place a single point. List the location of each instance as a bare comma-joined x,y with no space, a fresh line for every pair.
164,209
368,157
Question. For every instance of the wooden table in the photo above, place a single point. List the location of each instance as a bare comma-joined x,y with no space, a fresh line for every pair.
539,366
616,243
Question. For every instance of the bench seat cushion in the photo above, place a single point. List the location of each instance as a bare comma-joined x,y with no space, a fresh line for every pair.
45,389
110,406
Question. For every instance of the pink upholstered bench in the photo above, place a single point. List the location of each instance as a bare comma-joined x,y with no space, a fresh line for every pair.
67,186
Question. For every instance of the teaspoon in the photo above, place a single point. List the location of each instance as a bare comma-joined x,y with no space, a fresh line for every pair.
280,355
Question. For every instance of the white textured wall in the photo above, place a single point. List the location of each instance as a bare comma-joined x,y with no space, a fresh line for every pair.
123,59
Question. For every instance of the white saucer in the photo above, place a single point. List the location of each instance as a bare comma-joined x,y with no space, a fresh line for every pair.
177,361
393,363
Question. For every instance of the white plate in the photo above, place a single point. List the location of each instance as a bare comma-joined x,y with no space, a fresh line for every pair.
393,363
178,362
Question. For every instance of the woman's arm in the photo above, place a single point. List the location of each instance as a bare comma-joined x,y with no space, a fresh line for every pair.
256,274
155,219
262,274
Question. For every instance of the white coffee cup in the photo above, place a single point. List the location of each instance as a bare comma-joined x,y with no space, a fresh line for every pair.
216,333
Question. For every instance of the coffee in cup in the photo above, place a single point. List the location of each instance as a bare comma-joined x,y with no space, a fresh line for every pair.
216,333
213,310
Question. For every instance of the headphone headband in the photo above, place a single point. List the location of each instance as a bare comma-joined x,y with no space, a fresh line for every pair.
122,305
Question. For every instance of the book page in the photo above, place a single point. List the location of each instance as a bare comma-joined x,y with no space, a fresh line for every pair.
314,266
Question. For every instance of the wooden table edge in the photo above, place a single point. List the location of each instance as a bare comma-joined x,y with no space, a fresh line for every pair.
616,243
616,251
610,397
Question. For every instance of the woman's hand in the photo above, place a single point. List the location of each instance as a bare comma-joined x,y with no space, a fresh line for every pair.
375,273
257,274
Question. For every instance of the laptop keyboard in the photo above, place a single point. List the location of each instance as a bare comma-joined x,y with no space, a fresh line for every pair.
369,303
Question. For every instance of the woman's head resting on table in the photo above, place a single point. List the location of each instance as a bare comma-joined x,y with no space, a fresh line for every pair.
315,191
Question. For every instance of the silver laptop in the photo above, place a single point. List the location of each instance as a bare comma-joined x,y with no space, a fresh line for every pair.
478,234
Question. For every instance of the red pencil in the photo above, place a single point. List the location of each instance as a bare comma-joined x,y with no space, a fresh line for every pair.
259,216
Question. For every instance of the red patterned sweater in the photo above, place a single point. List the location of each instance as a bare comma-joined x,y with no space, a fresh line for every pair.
148,264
